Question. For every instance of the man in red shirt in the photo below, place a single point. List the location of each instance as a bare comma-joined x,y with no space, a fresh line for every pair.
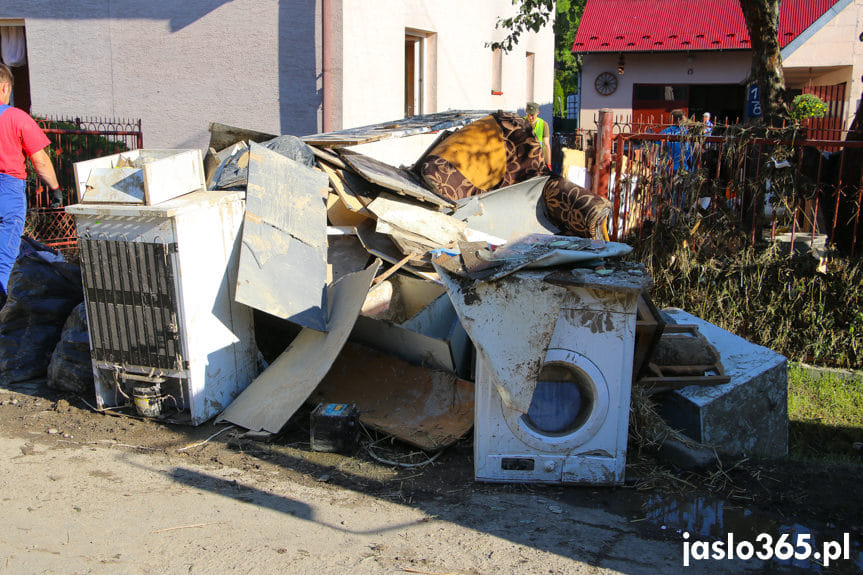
20,138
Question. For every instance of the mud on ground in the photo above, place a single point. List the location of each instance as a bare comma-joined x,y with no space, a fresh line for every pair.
785,492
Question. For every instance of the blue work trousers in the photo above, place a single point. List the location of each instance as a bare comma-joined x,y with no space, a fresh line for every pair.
13,210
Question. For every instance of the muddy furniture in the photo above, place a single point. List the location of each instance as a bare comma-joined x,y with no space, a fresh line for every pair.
748,414
165,331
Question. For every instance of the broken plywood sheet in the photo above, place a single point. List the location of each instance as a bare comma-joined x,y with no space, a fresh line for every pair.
438,229
326,156
395,179
339,215
345,192
504,327
427,408
223,136
383,247
283,267
275,395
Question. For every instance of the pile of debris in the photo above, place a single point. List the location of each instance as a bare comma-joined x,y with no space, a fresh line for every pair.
469,286
408,366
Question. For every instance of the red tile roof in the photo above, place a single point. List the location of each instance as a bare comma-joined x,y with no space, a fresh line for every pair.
673,25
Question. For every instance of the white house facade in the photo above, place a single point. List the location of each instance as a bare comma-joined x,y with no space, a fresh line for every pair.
279,66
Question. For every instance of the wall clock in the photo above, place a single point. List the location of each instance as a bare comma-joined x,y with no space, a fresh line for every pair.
606,83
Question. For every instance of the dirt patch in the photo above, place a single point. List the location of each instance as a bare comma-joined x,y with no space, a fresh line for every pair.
789,492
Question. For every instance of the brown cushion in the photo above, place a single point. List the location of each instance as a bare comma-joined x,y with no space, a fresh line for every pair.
445,180
493,152
576,210
477,151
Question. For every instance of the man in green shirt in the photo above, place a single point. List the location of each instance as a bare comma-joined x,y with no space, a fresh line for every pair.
540,130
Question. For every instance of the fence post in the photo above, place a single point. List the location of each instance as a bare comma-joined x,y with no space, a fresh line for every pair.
602,165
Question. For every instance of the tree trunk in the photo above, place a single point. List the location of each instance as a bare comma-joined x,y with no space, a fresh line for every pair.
762,21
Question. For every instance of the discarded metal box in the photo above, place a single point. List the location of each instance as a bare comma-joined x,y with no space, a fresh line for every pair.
335,427
746,416
145,177
165,331
421,327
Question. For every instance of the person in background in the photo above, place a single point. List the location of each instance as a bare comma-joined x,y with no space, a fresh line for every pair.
20,138
679,152
540,130
708,125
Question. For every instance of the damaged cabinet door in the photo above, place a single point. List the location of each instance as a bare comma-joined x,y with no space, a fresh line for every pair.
283,259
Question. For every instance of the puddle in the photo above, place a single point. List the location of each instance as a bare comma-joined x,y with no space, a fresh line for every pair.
713,520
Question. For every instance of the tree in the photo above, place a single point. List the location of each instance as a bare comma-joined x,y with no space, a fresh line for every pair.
762,22
532,15
566,64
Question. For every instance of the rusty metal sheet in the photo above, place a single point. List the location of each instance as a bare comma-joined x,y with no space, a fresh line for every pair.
283,258
275,395
510,338
427,408
396,179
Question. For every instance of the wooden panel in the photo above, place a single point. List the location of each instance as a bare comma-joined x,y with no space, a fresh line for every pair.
140,176
430,227
223,136
283,266
395,179
272,398
426,408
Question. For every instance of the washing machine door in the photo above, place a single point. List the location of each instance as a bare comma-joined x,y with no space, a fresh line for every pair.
568,407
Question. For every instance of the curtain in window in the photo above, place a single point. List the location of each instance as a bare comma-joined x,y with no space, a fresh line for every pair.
13,46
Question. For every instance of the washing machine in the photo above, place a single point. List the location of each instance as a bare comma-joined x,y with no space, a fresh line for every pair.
555,408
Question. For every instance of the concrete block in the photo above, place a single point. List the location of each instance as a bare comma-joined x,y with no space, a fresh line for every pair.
746,416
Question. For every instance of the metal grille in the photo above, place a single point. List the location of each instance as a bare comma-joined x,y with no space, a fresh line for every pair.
131,302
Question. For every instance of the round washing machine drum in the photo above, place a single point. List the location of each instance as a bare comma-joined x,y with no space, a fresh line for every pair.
568,407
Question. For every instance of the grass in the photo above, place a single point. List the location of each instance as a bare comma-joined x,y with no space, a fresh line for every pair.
825,413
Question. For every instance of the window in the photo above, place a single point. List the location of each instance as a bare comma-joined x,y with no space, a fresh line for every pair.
13,52
414,62
496,72
529,76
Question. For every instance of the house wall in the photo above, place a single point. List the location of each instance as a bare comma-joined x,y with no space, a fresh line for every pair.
458,69
835,44
654,68
263,65
176,65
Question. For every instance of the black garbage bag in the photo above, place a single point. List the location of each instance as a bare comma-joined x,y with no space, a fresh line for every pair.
43,290
70,368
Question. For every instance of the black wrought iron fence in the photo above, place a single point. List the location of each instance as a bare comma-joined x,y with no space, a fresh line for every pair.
72,140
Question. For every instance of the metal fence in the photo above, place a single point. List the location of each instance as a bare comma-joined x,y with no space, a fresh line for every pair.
804,189
72,140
